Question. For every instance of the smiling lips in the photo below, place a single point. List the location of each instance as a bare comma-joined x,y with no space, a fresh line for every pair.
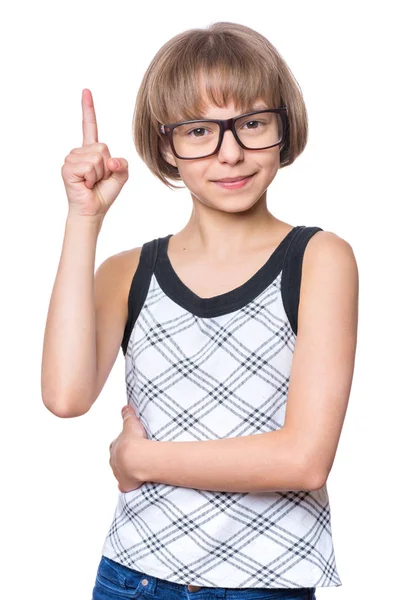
232,179
234,183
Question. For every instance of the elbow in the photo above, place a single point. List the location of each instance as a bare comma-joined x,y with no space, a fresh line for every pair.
315,477
316,481
307,472
65,409
309,475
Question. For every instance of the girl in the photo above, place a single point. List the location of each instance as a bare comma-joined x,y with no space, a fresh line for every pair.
239,335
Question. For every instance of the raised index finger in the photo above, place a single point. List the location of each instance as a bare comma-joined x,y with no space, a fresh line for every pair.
89,123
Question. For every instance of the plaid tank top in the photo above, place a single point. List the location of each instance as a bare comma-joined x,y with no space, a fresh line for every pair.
211,368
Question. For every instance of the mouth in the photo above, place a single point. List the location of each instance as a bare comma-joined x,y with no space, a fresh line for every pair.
232,179
234,182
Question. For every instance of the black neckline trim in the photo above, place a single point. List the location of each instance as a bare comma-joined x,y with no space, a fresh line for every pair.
224,303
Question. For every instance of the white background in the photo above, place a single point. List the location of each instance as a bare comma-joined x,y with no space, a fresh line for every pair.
58,492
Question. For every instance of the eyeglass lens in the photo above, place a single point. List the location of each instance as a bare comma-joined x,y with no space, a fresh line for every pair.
259,130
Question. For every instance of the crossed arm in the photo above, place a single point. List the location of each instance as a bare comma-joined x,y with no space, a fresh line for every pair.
300,455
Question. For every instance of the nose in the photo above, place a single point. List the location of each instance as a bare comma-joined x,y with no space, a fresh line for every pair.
230,150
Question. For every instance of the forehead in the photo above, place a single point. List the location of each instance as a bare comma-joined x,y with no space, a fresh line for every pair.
217,95
231,109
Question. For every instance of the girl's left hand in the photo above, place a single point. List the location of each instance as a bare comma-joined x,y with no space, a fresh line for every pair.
124,451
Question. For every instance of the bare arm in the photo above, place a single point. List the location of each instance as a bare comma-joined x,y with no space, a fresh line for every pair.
69,356
86,322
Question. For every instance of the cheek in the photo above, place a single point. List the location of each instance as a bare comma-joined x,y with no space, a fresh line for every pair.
271,165
194,177
274,166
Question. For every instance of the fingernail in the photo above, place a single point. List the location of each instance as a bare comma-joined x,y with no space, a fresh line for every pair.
116,163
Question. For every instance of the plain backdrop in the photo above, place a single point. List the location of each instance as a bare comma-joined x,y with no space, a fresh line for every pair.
58,491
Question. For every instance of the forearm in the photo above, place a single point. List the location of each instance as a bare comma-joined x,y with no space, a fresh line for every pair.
259,463
69,358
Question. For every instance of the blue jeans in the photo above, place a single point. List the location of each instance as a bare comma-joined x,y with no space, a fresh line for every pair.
117,582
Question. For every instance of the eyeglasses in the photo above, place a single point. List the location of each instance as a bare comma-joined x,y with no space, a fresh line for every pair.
256,130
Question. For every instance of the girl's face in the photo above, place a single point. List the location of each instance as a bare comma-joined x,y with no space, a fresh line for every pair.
200,175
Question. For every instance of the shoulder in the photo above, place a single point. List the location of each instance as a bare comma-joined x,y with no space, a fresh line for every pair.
114,275
118,265
327,250
330,278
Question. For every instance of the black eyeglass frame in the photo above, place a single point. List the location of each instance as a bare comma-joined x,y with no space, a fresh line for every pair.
224,125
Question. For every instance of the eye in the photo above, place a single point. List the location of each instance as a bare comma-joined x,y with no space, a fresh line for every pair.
249,122
196,129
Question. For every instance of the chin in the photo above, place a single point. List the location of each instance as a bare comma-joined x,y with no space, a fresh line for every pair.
230,204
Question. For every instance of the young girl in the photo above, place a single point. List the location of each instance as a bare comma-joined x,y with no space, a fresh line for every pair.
239,336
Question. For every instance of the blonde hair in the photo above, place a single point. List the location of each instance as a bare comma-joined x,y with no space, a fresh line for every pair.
234,62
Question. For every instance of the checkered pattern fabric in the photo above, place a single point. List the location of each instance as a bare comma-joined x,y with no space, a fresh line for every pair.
194,378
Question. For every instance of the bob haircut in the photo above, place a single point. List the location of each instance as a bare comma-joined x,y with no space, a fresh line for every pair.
232,62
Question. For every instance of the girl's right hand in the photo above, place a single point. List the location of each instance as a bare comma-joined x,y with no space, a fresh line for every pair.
92,181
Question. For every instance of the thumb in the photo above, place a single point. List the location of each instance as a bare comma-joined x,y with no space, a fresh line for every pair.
119,169
131,423
110,188
129,416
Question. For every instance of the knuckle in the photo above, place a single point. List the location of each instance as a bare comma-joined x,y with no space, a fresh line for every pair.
66,169
96,158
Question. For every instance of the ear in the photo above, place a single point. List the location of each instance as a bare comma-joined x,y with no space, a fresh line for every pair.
166,152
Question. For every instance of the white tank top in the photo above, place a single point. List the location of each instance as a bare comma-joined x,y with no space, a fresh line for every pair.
211,368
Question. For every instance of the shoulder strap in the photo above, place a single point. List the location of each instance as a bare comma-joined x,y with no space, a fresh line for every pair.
139,287
292,271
